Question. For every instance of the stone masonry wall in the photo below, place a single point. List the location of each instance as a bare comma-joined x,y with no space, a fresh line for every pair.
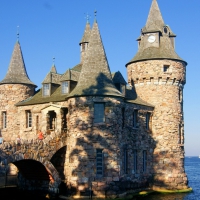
85,136
164,89
10,94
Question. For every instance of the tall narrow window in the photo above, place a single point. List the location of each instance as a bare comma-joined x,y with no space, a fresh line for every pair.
123,117
64,118
37,122
65,88
144,161
99,162
148,120
28,118
125,160
4,119
135,161
135,119
99,115
46,89
51,123
180,141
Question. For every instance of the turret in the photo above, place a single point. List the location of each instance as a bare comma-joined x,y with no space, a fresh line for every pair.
15,87
158,75
85,41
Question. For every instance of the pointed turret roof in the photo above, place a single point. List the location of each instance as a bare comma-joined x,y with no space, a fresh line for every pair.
95,77
52,76
86,34
155,21
165,50
53,69
16,73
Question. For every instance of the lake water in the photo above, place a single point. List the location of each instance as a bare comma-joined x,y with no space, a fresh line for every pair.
192,168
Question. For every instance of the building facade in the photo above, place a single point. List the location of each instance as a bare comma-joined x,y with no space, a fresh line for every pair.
100,133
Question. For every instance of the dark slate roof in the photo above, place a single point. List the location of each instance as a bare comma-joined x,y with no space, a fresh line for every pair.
52,76
17,71
131,97
118,78
70,75
38,98
53,69
165,50
86,34
154,21
95,77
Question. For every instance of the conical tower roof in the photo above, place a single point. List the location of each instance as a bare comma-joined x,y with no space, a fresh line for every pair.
165,50
53,69
86,34
95,77
16,73
154,21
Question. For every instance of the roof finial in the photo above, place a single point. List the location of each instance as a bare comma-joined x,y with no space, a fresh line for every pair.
87,17
17,33
53,60
95,15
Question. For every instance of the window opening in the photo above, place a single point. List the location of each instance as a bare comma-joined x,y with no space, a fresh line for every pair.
4,119
46,89
99,161
166,68
135,119
64,118
148,120
144,161
135,160
28,119
51,124
65,88
123,117
99,115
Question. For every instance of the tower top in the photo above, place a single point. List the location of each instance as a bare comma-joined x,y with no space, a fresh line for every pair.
86,35
157,39
16,73
155,21
95,77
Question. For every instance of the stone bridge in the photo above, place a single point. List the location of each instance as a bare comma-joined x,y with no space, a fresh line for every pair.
33,164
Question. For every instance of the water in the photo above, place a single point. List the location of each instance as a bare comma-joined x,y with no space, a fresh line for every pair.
192,168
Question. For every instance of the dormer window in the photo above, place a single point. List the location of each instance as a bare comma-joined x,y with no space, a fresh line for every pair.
46,89
120,87
65,88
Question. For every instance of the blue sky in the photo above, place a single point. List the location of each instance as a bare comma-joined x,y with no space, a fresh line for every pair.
54,28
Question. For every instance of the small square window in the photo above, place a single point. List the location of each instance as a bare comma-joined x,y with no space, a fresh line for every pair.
166,68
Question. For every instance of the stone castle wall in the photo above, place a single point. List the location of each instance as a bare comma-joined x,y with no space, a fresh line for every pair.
10,94
164,89
85,136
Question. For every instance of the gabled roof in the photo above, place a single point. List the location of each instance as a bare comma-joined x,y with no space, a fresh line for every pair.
95,77
118,78
86,34
16,73
70,75
52,76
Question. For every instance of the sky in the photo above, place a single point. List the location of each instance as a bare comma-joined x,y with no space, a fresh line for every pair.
54,28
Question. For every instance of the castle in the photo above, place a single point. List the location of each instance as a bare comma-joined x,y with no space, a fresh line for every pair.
101,133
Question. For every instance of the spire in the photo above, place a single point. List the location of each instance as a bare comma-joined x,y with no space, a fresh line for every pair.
154,21
86,35
16,73
95,77
53,68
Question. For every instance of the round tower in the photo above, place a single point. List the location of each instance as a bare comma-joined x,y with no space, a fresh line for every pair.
15,87
158,75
